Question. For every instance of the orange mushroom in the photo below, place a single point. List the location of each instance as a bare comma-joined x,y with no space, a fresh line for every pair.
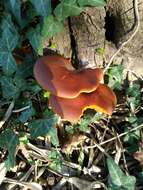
55,74
102,99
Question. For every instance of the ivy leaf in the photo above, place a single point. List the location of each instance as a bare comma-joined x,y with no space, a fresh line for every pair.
115,75
26,68
7,63
9,140
55,161
29,15
9,89
96,3
43,7
34,88
45,127
20,83
51,27
27,114
118,180
81,158
67,8
133,96
132,138
8,42
15,7
87,120
8,24
54,136
42,127
35,38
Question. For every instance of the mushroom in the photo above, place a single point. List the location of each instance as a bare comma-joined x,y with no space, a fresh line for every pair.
56,74
102,99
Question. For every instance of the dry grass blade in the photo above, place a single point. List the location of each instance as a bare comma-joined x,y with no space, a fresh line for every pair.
84,185
7,114
43,153
60,184
30,185
21,109
3,171
111,139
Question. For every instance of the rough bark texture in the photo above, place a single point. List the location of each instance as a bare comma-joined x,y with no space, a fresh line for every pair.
63,42
132,54
103,28
89,34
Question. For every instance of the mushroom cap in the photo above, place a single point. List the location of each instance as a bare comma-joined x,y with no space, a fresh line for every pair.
102,100
56,74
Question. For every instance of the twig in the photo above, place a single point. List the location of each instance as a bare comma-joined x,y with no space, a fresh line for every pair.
102,149
136,28
112,139
133,73
122,134
21,109
44,153
28,185
7,114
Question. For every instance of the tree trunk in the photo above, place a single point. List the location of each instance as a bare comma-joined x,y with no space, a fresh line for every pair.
91,38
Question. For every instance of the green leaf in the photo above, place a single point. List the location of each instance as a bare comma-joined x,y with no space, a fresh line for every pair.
55,161
133,96
51,27
20,83
118,180
24,139
42,127
115,75
67,8
101,51
46,94
8,42
84,123
81,158
35,38
9,140
26,68
140,177
71,129
8,24
7,63
29,15
96,3
9,90
87,120
54,136
133,137
43,7
34,88
27,114
15,7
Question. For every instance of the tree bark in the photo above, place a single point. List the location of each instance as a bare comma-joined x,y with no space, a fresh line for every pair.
91,38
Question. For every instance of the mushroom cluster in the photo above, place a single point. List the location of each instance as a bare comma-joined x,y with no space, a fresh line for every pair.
73,91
